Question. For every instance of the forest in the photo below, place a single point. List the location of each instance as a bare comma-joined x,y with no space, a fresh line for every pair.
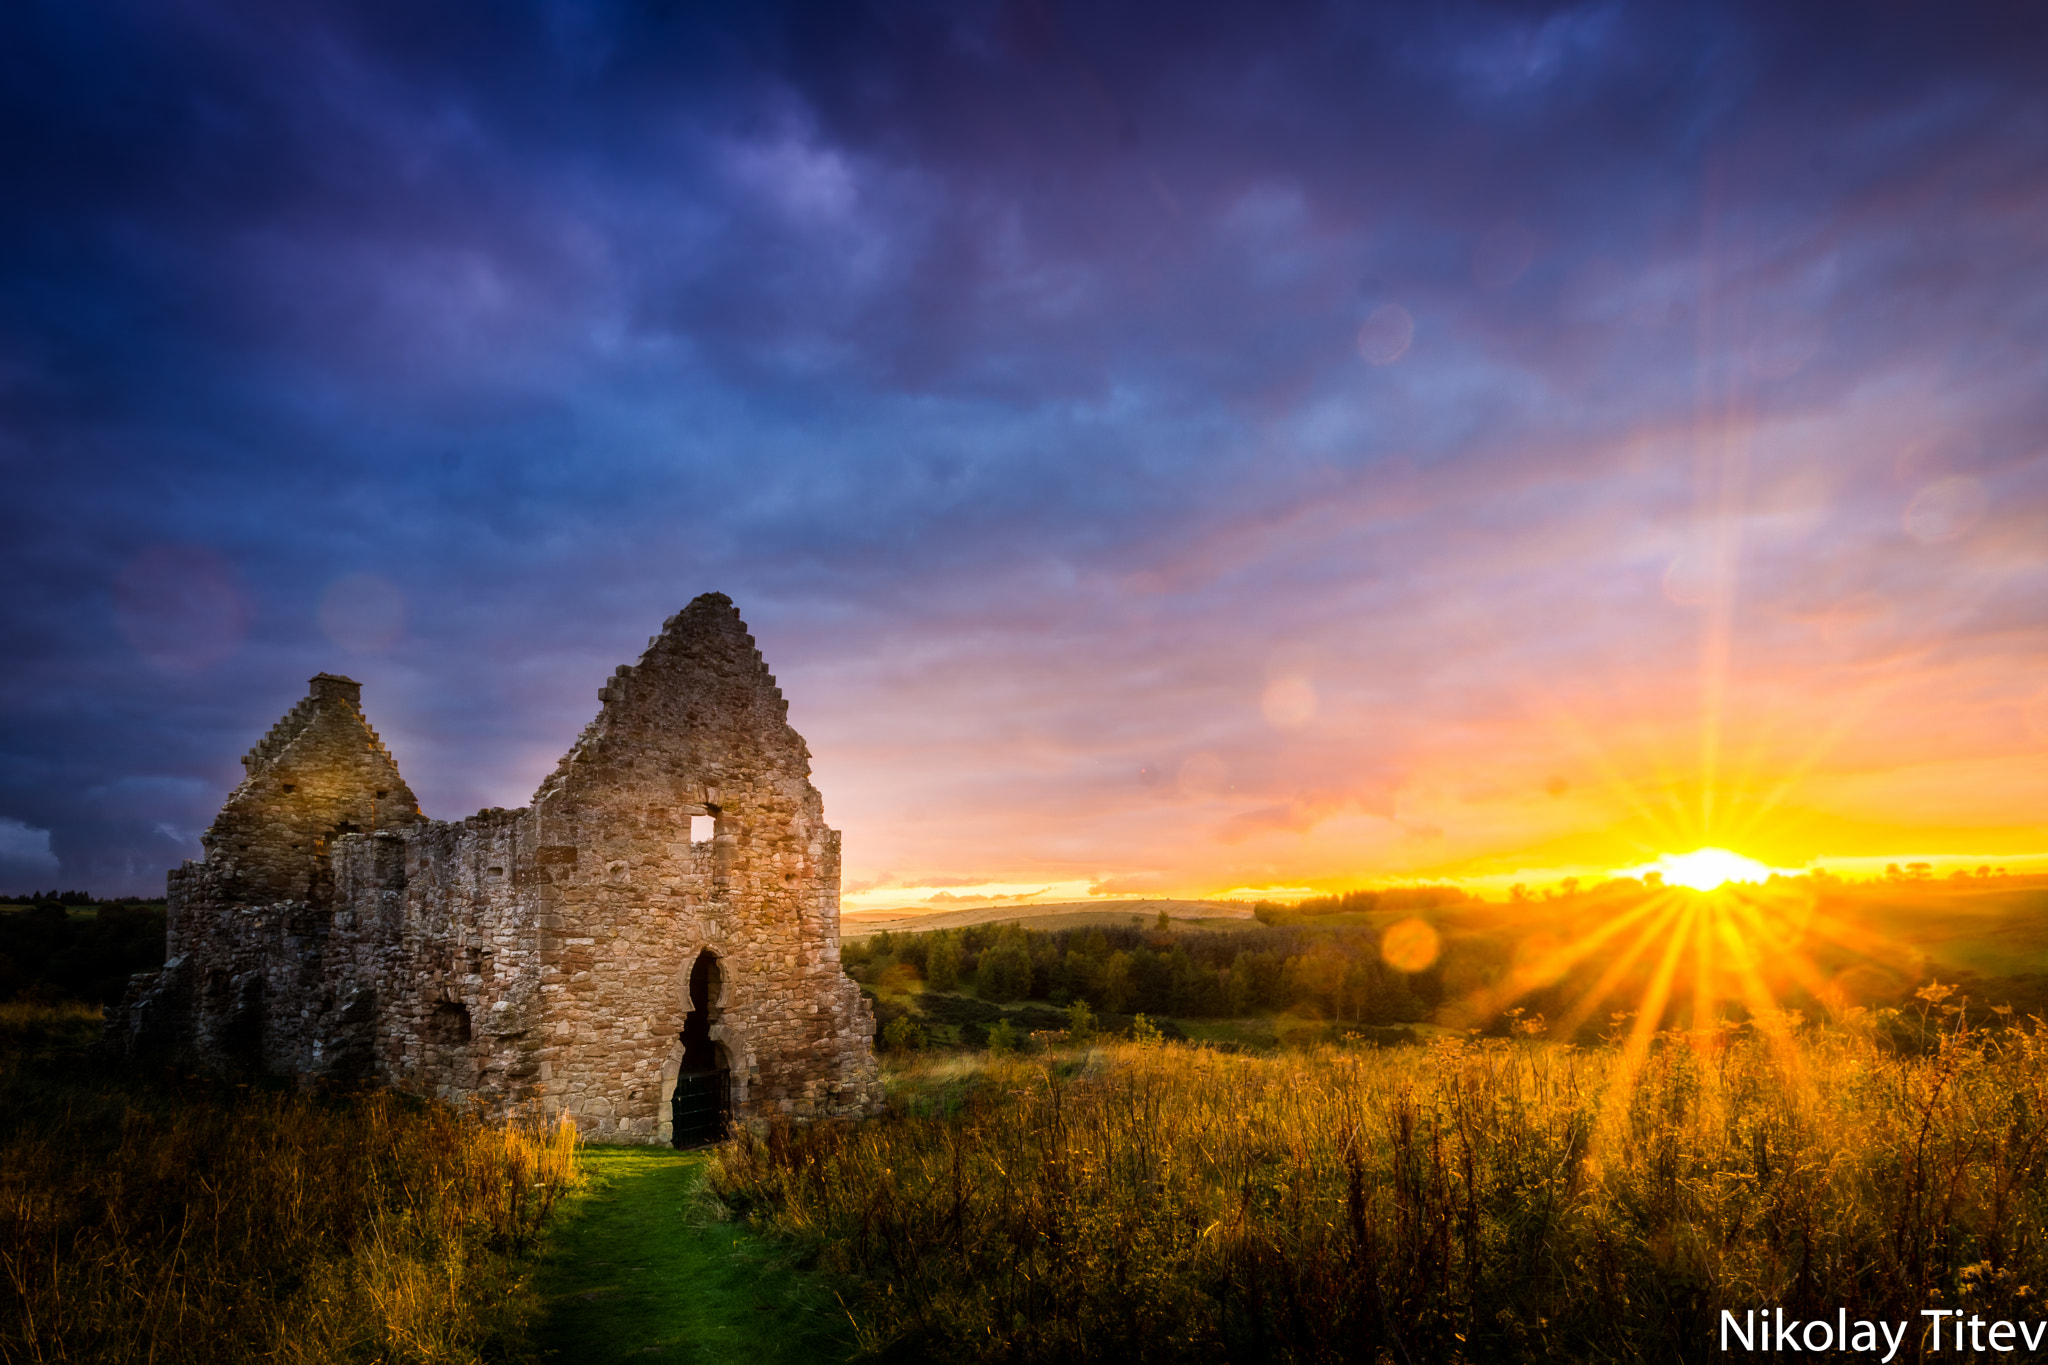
1576,965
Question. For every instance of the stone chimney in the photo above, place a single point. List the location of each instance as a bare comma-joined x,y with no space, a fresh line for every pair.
334,687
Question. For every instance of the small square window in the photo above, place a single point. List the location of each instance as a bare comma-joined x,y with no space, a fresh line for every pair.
700,829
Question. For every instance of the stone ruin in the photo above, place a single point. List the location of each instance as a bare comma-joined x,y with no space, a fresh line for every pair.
651,947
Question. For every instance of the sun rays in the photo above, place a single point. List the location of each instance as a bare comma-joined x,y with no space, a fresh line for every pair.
1632,963
1704,869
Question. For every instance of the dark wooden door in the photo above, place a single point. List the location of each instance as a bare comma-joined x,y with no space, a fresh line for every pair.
702,1105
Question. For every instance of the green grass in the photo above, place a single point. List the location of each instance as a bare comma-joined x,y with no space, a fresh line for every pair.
639,1268
1254,1031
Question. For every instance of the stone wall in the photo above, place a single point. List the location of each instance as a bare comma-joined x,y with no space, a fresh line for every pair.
538,957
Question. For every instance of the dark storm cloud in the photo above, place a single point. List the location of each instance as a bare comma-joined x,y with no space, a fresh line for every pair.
997,336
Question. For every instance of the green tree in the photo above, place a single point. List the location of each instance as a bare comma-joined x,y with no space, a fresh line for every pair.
1082,975
1237,990
1002,1039
1265,975
1180,982
1080,1022
1004,973
1116,982
912,949
1394,1002
942,962
1316,978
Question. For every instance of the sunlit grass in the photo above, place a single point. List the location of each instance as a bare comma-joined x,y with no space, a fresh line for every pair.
1477,1200
205,1223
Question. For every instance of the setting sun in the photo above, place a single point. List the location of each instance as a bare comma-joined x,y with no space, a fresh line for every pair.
1703,869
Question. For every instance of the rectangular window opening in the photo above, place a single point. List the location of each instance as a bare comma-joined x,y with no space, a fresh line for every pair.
700,829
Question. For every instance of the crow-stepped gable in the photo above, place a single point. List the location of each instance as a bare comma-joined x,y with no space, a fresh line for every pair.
651,947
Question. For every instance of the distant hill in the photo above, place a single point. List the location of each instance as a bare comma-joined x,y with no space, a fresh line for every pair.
858,924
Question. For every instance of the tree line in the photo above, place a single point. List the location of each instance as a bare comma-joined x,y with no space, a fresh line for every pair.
48,955
1406,900
1333,972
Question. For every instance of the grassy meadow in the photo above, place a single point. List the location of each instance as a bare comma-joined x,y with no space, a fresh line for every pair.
1616,1109
1472,1200
1383,1128
175,1219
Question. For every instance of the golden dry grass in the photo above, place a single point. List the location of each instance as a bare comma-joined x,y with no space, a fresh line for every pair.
1476,1200
210,1223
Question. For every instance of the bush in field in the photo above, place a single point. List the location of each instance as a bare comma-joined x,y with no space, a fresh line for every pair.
903,1034
1002,1039
217,1224
1480,1200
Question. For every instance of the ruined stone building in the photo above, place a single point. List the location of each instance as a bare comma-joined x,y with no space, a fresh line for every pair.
650,947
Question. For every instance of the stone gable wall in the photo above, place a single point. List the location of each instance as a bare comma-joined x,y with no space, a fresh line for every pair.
626,901
319,773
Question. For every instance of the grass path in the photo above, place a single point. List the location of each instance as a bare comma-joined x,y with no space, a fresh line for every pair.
637,1271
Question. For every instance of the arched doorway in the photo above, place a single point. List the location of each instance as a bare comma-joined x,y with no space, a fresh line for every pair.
703,1099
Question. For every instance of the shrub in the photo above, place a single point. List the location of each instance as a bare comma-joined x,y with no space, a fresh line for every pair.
957,1009
903,1034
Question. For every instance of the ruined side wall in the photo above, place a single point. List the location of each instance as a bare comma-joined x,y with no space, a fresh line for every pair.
433,934
625,901
245,990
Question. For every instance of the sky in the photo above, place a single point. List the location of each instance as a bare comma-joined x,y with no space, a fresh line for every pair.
1161,449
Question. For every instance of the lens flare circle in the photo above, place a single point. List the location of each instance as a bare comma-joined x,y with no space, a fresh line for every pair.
1410,946
1386,335
1703,869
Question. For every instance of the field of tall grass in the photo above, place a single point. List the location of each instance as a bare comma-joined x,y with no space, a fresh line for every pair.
1475,1200
184,1220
